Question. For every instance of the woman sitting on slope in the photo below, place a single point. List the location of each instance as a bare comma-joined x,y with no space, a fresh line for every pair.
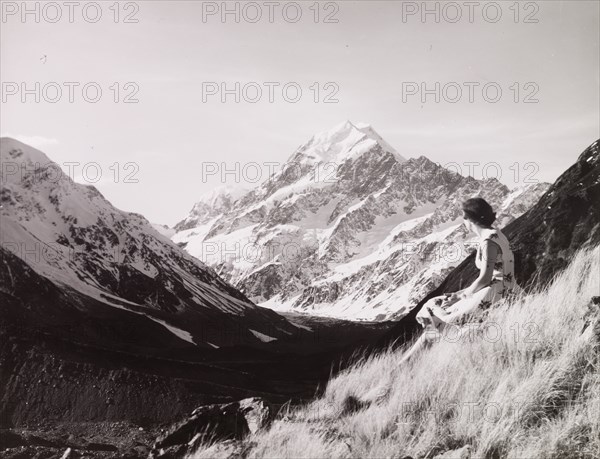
496,278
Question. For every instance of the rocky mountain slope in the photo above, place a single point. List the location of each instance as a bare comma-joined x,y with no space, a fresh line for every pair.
347,228
68,234
216,202
544,239
164,230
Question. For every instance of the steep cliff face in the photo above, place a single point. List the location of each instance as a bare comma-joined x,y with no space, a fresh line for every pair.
565,218
348,228
544,239
217,202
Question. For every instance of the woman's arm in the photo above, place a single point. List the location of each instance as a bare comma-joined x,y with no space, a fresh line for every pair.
489,252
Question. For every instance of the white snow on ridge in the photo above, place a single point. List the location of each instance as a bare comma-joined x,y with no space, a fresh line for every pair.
405,225
515,193
261,336
342,271
181,334
344,141
233,192
368,130
164,230
195,234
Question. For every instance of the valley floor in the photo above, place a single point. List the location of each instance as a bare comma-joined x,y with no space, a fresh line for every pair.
57,394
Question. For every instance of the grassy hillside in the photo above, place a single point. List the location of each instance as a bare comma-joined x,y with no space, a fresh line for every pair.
527,386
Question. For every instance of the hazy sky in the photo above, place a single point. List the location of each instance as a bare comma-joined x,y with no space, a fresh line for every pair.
171,132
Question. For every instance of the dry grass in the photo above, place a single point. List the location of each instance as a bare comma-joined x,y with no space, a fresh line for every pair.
527,387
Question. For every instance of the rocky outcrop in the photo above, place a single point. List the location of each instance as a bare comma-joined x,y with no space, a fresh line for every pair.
460,453
215,422
218,201
592,320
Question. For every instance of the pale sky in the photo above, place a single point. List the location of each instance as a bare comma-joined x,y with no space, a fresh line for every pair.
368,55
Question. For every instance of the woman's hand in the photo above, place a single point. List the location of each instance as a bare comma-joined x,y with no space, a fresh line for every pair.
450,299
454,297
436,322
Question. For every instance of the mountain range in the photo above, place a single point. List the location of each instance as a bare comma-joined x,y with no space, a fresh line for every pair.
69,234
348,228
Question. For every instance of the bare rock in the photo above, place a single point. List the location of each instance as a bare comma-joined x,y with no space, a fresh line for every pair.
461,453
228,421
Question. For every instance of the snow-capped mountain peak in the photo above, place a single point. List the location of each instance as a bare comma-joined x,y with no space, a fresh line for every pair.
344,141
371,133
213,203
22,153
217,195
363,240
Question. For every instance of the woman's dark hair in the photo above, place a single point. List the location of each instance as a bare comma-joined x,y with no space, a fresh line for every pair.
479,212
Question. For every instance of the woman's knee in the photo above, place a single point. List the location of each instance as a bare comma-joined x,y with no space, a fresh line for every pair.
430,335
431,302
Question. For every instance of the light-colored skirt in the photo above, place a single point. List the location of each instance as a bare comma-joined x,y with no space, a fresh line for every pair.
461,311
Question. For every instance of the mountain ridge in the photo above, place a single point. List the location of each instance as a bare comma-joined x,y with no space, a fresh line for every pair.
70,234
373,200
